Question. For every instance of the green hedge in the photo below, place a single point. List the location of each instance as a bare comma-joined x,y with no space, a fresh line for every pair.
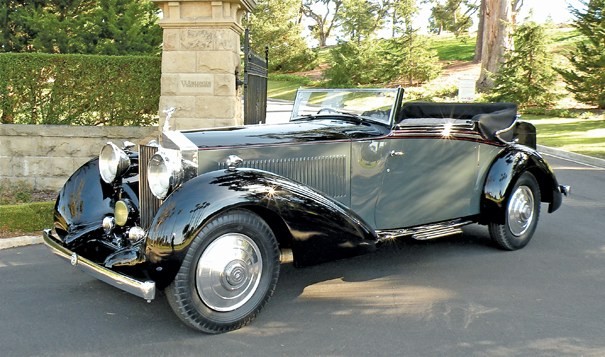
79,89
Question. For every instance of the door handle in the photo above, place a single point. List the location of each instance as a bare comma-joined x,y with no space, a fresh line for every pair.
396,153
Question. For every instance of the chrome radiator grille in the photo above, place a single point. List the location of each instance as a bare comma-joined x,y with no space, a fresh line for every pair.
325,173
148,203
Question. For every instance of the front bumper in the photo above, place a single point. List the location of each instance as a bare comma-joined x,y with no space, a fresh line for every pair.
143,289
557,198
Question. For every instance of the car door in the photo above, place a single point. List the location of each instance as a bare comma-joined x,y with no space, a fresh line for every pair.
429,177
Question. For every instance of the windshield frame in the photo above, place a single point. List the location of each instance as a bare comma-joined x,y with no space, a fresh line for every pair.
303,94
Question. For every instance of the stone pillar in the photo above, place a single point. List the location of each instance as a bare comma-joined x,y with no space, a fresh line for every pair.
200,59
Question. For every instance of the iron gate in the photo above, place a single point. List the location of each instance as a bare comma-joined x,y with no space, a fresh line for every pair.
256,70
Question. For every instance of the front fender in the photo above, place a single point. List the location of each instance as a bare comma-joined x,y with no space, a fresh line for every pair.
506,168
317,227
85,200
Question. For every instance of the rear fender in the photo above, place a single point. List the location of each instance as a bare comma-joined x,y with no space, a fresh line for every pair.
506,168
316,227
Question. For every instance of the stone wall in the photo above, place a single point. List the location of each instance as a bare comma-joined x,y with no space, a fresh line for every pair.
44,156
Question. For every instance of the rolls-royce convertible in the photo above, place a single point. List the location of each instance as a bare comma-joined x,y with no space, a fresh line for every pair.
205,214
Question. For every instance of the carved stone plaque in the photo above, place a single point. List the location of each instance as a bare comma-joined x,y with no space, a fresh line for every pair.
196,84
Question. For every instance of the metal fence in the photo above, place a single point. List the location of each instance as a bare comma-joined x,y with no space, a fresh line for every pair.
256,70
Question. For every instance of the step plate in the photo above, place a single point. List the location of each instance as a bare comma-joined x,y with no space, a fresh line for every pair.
427,232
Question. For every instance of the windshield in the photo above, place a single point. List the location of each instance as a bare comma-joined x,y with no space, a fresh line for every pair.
371,104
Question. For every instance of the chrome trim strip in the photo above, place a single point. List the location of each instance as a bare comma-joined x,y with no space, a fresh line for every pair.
143,289
148,203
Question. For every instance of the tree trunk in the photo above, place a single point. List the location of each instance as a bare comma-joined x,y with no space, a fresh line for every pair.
479,44
496,41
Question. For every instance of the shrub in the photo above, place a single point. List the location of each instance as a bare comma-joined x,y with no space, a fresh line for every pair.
352,64
79,89
409,59
406,59
586,78
526,76
292,78
13,193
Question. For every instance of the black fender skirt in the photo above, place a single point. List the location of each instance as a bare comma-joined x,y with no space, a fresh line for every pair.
316,227
504,172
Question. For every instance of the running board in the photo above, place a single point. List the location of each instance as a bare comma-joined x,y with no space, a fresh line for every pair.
427,232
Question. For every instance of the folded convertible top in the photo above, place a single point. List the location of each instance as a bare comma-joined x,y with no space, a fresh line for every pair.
492,118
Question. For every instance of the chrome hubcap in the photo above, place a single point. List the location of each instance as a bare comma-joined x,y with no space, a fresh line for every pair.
228,272
521,211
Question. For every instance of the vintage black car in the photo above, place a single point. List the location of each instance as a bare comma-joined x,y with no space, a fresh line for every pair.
205,214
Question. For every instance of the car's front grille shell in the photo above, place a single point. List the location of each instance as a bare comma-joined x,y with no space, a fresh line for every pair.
148,203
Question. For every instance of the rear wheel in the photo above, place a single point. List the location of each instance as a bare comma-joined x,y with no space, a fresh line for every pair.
521,215
228,275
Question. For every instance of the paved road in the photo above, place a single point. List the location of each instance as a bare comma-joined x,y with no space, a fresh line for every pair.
457,296
278,111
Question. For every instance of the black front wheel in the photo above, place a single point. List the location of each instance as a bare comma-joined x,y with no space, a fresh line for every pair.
228,275
521,215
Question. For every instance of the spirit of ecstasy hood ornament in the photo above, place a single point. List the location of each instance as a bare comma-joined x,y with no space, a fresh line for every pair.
168,112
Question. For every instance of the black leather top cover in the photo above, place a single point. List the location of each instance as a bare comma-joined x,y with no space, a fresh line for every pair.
491,117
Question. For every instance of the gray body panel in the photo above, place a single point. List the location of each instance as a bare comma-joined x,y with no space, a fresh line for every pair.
406,198
386,191
325,166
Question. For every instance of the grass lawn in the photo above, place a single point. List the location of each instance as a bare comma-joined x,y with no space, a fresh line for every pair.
451,48
282,89
26,218
582,136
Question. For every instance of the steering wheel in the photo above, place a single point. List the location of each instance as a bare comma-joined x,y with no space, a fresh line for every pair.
326,110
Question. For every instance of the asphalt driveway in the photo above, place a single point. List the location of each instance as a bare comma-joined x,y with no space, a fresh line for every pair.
456,296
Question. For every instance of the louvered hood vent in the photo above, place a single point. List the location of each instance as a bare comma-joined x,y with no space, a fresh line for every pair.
325,173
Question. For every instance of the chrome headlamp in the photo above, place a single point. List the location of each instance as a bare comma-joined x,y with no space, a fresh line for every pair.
113,162
164,172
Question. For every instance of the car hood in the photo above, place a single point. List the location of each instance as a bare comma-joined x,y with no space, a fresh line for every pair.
285,133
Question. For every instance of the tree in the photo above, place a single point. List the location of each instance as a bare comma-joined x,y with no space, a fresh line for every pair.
16,34
586,80
80,26
496,39
127,27
358,19
526,76
479,42
402,16
324,21
274,23
516,7
452,15
415,63
406,59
